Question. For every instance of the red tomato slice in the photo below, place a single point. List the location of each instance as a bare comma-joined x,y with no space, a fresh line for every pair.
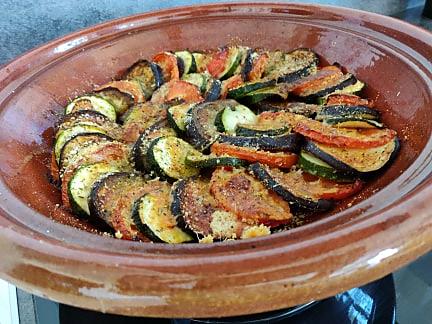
168,63
338,191
316,81
217,64
273,159
258,67
231,83
177,90
349,100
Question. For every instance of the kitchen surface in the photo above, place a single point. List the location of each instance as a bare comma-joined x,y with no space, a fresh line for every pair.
26,24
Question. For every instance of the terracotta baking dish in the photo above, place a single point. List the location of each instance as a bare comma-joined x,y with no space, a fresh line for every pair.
386,227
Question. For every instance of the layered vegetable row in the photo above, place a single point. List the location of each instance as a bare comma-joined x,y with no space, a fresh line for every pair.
220,145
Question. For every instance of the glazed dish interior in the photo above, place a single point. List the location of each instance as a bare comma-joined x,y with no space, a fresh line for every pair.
36,103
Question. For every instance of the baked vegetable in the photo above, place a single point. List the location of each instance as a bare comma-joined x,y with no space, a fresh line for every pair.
285,142
167,158
188,61
152,215
292,187
177,115
202,161
248,87
82,181
352,122
200,80
140,148
224,62
277,91
177,91
257,130
241,194
132,87
339,111
283,160
213,90
228,119
168,63
121,101
91,102
357,161
301,108
148,73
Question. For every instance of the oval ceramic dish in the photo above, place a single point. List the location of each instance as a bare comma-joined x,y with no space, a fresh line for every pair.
380,232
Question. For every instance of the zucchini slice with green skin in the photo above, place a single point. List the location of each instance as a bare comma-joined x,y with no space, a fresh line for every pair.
167,158
65,135
120,100
340,111
258,95
355,162
77,143
352,122
202,161
251,130
285,142
177,115
201,60
200,124
249,87
140,148
81,184
273,179
189,64
228,119
152,215
89,117
198,79
311,164
92,102
148,73
213,90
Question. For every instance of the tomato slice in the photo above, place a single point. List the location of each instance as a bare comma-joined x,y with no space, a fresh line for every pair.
217,64
180,90
318,80
338,191
349,100
168,63
334,136
130,87
258,67
238,192
274,159
231,83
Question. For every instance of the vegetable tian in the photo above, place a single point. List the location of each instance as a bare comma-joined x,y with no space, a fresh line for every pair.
220,145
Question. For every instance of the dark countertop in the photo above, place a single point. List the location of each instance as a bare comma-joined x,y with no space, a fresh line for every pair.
26,24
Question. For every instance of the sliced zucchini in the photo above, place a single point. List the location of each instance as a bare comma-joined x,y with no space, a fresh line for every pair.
291,187
258,130
201,60
315,166
144,114
167,158
82,182
249,87
228,119
92,102
177,115
140,148
352,122
89,117
197,211
202,161
352,161
189,64
148,73
152,215
198,79
213,90
340,111
200,123
285,142
66,134
77,143
277,91
120,100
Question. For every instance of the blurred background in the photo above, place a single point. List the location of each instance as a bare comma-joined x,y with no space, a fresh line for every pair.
25,24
